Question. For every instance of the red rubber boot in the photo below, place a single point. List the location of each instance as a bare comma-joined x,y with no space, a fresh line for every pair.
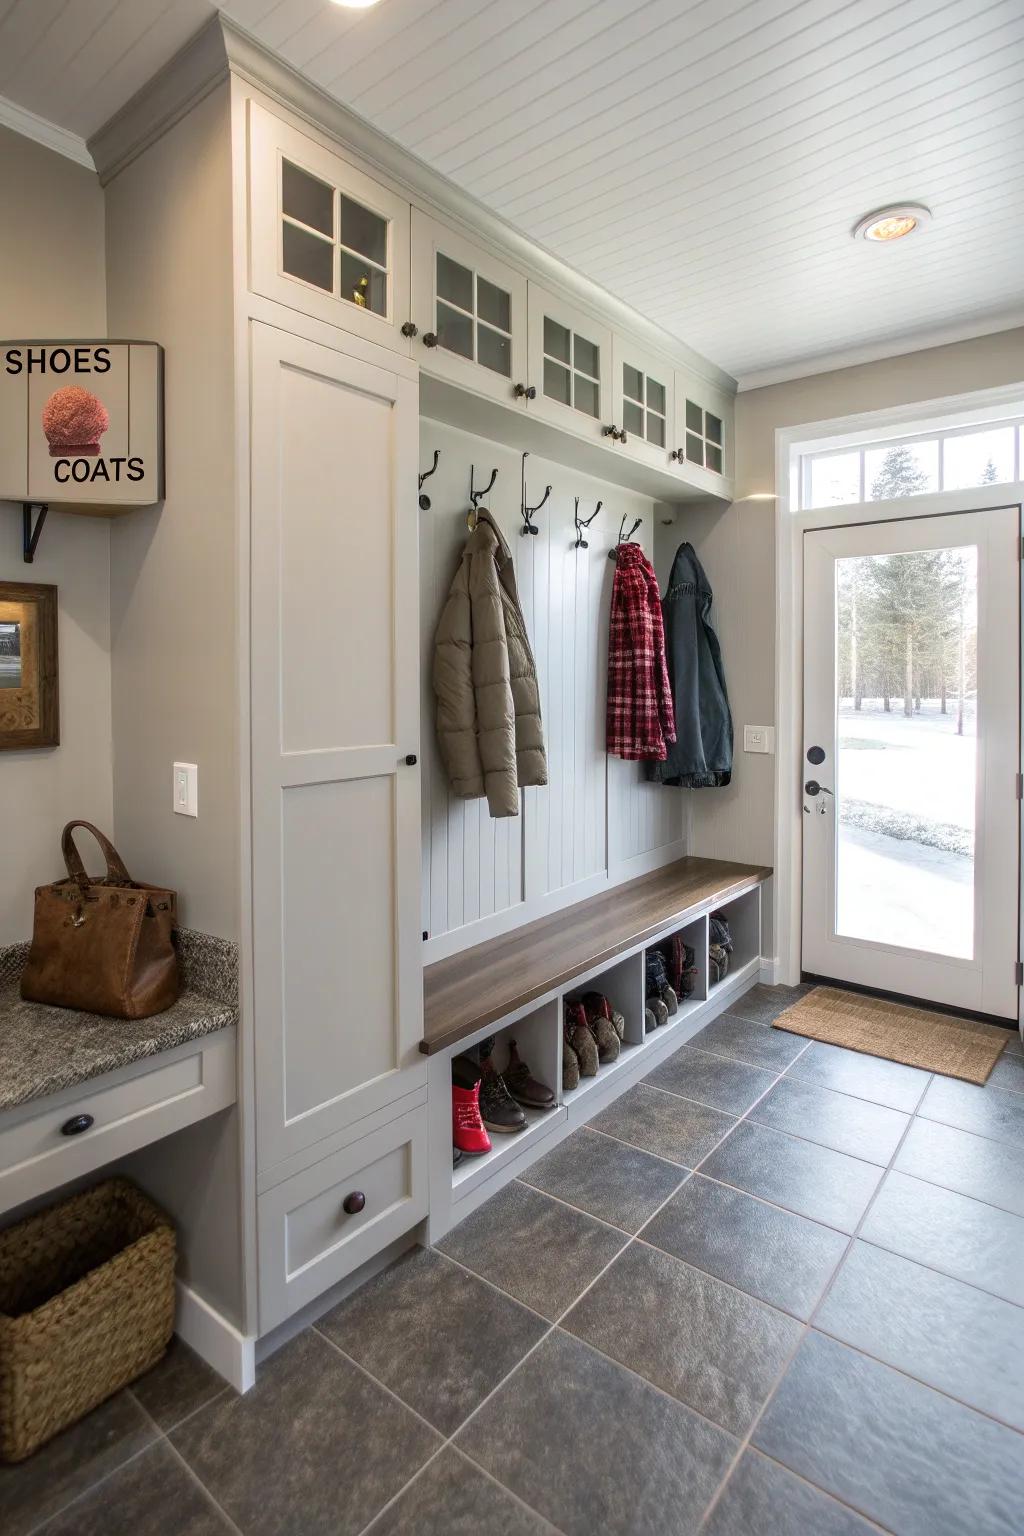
468,1132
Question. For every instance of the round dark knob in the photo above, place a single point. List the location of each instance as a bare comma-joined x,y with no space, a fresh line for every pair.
76,1125
353,1203
612,432
525,391
677,453
408,329
815,755
430,339
410,759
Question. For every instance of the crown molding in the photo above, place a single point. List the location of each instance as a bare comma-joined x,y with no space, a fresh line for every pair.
222,48
897,346
20,120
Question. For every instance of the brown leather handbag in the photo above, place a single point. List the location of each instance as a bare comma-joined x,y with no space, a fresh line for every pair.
106,945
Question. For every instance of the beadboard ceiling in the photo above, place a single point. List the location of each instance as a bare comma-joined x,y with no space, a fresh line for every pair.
704,159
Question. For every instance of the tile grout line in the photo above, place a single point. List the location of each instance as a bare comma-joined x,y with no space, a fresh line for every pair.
808,1325
165,1435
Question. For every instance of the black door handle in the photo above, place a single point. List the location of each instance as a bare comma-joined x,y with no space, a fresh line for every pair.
812,787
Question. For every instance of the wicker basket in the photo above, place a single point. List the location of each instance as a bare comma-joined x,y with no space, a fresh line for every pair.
86,1305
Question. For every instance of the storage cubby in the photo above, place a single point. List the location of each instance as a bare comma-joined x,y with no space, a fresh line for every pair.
695,934
538,1037
743,915
623,985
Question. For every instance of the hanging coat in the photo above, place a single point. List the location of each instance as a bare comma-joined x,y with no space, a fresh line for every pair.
702,755
488,703
640,723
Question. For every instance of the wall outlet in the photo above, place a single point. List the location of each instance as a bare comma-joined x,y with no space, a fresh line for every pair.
759,738
186,789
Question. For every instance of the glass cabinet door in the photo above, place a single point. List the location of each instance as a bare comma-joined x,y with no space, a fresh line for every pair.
643,393
469,311
702,435
570,358
325,238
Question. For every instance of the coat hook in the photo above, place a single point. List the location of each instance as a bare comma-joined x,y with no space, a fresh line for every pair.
624,538
584,522
475,495
425,500
30,534
527,512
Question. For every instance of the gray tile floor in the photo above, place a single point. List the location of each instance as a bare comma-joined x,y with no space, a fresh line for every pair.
775,1290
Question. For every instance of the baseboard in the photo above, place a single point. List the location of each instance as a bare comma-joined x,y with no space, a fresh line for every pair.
218,1342
769,971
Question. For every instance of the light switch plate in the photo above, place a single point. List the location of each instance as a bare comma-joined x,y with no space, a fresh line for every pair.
186,789
759,738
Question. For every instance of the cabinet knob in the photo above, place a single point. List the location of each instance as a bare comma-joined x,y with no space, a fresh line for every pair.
616,433
430,339
76,1125
408,329
525,391
677,454
353,1203
410,759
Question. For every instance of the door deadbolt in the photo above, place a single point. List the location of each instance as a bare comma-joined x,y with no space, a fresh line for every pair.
815,755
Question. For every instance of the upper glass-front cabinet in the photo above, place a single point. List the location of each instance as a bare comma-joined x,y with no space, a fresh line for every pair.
469,311
702,436
570,365
643,395
325,238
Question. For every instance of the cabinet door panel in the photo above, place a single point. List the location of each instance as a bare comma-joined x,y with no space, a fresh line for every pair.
643,396
338,991
324,237
703,436
473,305
570,360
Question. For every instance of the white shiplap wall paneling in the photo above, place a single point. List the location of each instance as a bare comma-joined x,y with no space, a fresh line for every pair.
596,813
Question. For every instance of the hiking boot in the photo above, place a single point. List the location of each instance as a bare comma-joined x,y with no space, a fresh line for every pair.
598,1003
599,1017
523,1086
580,1036
498,1108
650,1022
570,1067
658,1008
468,1135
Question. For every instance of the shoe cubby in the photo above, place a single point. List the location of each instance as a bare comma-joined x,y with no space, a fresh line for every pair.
537,1040
743,914
623,985
695,935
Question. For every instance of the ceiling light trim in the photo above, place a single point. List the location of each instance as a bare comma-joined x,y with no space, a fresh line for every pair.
51,135
913,215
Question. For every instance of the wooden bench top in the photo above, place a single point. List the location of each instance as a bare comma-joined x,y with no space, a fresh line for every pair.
477,986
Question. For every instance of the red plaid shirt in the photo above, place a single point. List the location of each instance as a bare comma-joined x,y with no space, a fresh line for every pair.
641,717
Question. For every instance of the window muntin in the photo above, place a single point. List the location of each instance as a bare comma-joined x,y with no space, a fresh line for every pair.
473,316
572,368
949,459
333,242
704,437
644,406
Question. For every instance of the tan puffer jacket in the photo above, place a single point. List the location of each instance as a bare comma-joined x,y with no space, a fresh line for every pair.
488,704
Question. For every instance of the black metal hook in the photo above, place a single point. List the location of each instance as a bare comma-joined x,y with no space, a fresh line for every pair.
624,538
528,523
584,522
30,534
425,500
474,494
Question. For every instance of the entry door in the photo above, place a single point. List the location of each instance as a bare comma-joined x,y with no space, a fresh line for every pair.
336,841
911,754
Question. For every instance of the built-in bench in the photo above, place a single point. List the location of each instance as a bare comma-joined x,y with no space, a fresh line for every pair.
513,986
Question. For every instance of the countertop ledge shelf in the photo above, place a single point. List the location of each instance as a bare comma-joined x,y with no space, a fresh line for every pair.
44,1050
481,985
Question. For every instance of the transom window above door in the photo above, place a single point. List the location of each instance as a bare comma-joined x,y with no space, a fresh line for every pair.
572,368
333,242
473,316
644,406
704,437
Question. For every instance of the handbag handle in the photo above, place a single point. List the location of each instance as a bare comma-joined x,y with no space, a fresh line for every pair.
73,859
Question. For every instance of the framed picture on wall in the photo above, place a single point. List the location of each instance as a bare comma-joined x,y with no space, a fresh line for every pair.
29,708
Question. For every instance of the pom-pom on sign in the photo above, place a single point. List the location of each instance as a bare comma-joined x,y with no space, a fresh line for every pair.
81,424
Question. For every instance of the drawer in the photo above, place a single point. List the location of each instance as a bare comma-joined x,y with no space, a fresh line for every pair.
129,1109
308,1240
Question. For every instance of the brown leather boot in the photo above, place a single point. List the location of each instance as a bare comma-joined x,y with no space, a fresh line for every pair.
523,1086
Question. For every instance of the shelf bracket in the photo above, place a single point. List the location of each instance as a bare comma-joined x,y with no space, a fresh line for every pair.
30,532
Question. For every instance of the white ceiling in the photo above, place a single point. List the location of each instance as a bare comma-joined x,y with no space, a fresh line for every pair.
704,159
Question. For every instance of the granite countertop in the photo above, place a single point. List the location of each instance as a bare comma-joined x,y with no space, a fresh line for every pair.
44,1050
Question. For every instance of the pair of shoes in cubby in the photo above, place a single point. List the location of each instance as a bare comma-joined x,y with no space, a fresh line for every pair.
662,1001
484,1099
593,1037
680,963
719,948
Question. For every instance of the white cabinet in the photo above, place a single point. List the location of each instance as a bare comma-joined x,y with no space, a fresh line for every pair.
335,722
325,238
570,365
643,402
470,313
702,439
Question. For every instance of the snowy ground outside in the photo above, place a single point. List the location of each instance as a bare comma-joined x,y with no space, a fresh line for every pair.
914,777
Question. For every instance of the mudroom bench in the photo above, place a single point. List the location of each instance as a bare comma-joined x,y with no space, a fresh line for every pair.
513,986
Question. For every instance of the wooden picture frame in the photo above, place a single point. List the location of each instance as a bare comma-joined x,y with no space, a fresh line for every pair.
29,702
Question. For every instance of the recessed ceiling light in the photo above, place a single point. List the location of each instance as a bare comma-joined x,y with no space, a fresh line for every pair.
356,5
888,224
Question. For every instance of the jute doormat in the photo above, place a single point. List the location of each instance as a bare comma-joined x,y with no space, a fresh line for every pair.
938,1042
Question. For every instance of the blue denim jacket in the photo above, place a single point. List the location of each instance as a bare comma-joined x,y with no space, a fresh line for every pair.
701,757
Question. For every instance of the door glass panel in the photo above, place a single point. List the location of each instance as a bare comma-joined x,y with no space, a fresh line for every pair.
363,284
306,256
454,282
494,350
493,304
587,357
364,231
713,458
712,428
633,417
632,382
656,430
557,382
694,448
586,392
557,340
656,396
906,749
454,330
694,417
305,198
